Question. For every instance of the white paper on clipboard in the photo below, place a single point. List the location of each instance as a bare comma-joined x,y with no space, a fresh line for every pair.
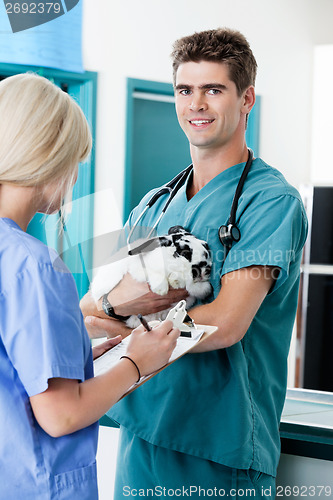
184,345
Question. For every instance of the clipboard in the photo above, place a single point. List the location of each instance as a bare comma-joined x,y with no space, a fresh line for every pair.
184,345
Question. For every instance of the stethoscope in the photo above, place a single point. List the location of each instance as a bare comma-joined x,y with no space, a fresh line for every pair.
228,233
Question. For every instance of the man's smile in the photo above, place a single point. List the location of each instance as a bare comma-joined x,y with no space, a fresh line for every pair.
200,122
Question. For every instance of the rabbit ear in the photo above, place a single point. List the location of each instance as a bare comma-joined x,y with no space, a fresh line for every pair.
165,241
177,229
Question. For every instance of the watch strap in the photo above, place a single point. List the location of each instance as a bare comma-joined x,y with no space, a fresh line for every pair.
108,309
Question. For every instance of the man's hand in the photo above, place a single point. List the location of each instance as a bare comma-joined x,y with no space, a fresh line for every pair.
98,324
131,297
127,298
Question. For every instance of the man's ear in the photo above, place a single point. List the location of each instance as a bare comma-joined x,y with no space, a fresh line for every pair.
249,98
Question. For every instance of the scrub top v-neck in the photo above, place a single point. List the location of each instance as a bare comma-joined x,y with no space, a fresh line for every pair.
225,405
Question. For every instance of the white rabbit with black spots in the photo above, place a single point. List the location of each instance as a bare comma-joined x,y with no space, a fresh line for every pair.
180,260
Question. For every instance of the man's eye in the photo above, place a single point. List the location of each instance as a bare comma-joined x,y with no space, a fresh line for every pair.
213,91
185,92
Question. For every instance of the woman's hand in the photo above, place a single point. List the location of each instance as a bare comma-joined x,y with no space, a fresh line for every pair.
100,349
67,405
152,350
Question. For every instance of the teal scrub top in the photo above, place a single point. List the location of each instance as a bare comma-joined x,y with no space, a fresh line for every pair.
226,405
42,335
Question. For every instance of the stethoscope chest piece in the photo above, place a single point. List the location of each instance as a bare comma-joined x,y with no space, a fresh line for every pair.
229,234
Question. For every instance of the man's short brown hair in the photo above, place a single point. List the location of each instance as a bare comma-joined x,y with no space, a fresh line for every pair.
221,45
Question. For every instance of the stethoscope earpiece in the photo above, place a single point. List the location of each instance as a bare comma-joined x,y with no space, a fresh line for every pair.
229,234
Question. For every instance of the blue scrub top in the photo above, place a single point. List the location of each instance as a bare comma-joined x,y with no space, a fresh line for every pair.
42,335
225,405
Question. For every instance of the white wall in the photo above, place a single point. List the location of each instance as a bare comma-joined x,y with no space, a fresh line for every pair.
322,125
134,39
106,461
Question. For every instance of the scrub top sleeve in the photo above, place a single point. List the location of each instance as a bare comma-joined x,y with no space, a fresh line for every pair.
43,329
273,232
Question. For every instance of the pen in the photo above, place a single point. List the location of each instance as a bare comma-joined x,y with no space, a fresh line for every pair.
144,322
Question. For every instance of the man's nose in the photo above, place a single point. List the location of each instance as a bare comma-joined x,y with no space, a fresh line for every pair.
198,103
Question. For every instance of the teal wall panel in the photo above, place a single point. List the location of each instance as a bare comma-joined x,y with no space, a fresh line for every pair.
160,147
75,246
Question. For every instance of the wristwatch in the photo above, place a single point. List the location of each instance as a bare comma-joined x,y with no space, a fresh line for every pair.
108,309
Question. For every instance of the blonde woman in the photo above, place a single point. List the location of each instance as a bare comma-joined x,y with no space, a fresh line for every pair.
49,400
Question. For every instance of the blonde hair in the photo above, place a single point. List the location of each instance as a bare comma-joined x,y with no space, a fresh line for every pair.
43,132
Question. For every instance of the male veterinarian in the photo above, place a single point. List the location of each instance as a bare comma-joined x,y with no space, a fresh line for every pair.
209,424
